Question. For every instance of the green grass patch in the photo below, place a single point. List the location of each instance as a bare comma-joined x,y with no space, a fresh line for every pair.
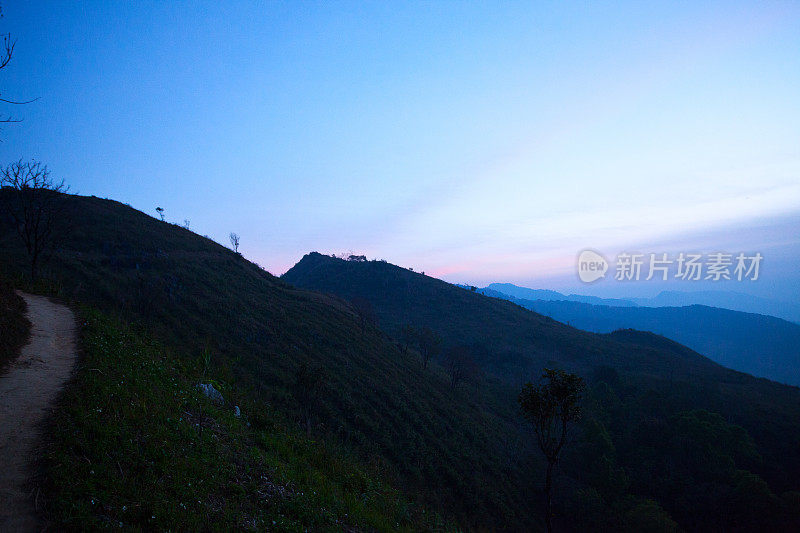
456,452
135,444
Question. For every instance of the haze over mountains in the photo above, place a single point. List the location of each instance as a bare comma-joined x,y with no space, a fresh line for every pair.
735,301
761,345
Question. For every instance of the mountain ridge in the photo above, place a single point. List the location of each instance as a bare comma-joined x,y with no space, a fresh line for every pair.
734,301
762,345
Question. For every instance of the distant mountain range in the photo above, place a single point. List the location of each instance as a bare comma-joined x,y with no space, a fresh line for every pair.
734,301
524,293
761,345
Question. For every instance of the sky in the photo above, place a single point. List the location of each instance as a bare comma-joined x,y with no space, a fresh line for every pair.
475,141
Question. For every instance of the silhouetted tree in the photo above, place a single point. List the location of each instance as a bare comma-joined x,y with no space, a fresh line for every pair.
160,211
552,407
479,351
34,203
187,223
235,242
460,365
407,336
429,345
307,388
365,312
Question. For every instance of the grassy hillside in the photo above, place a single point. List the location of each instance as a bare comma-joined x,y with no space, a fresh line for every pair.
134,444
448,451
638,379
14,326
518,342
761,345
207,314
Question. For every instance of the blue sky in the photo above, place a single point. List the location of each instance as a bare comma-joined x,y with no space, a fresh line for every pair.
475,141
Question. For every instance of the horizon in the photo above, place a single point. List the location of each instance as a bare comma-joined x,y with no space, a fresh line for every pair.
480,144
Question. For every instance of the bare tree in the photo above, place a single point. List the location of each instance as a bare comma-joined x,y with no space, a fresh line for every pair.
35,204
407,336
6,53
235,242
460,365
160,211
365,312
429,345
187,223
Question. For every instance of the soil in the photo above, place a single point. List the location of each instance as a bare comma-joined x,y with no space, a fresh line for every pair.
28,391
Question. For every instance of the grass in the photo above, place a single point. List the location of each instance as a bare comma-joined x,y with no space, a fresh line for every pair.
14,326
457,453
462,453
134,444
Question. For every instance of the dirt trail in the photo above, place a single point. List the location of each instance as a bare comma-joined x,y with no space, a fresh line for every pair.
27,392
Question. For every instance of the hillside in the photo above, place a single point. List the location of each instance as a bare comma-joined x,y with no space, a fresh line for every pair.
377,405
653,380
517,342
134,444
165,309
760,345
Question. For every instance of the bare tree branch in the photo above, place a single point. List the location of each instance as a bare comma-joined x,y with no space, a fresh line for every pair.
8,50
6,54
19,103
34,202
